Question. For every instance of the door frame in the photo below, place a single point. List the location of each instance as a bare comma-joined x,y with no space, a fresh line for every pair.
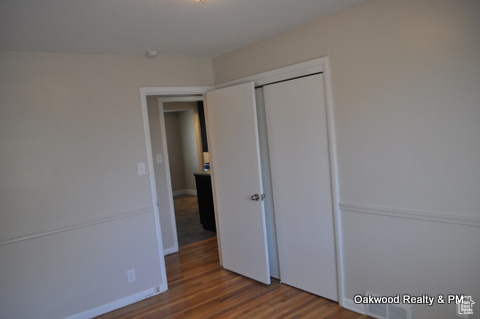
321,64
171,208
170,92
284,73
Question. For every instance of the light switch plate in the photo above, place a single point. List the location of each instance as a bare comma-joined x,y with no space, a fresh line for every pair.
131,275
159,158
141,168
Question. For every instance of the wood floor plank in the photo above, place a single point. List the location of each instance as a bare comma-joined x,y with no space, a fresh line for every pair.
200,288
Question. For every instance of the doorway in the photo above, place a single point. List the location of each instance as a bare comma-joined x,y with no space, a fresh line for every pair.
181,108
301,70
187,158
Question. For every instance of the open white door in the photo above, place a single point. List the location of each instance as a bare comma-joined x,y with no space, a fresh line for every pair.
235,157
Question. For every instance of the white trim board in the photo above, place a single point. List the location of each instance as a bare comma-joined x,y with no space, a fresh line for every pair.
171,250
73,225
411,214
174,90
120,303
280,74
350,305
185,192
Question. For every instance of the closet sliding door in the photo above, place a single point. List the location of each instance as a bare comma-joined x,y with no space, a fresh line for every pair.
300,173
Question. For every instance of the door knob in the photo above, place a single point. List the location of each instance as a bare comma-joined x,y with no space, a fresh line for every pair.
257,197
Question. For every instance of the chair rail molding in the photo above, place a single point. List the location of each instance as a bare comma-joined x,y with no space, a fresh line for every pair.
411,214
73,225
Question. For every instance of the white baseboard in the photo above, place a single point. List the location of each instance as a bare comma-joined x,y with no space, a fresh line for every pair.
191,192
350,305
179,192
185,192
120,303
170,250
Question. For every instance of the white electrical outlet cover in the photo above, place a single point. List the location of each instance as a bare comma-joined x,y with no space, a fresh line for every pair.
141,169
131,275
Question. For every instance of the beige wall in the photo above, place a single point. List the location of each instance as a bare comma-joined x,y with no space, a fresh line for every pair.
405,84
405,80
190,130
175,150
71,137
187,144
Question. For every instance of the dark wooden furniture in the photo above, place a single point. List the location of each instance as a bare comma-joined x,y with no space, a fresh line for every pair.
205,200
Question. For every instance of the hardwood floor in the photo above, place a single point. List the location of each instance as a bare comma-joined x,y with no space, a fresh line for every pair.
200,288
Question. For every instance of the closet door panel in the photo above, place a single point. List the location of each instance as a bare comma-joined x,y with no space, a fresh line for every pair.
298,145
235,158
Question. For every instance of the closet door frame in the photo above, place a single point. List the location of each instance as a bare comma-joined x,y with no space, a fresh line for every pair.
299,70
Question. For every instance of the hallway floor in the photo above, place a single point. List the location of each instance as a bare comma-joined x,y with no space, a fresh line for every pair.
189,228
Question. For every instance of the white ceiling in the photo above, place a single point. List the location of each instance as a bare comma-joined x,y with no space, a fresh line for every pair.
171,27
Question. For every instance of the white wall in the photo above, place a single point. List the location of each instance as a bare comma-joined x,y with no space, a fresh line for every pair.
405,82
75,214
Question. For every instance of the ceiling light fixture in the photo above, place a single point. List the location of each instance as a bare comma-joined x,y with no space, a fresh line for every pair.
201,1
151,54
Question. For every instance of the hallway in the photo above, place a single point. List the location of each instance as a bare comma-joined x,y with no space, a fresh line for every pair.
189,228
